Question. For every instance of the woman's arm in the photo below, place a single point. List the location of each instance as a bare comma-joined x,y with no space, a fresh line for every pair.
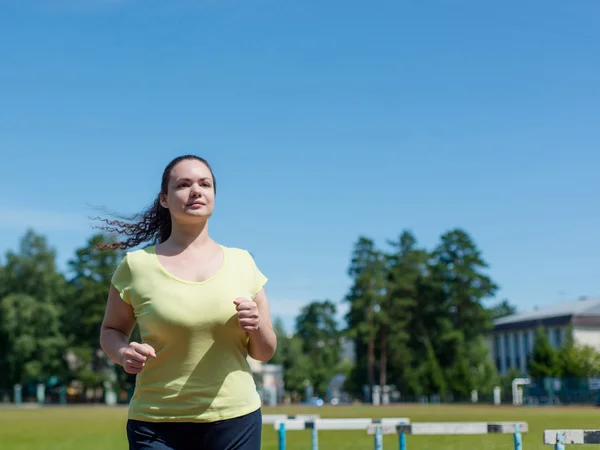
115,332
255,319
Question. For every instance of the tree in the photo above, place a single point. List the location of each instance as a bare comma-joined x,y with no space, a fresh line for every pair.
576,360
31,342
296,364
544,359
316,327
485,374
459,267
32,271
297,368
92,271
368,271
406,270
457,272
282,341
34,344
430,373
502,309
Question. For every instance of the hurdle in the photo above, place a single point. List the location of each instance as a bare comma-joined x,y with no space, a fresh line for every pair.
560,438
282,426
447,428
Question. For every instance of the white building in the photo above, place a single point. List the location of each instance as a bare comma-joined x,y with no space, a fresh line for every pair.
512,339
269,381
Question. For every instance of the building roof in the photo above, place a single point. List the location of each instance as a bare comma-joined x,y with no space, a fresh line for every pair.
580,308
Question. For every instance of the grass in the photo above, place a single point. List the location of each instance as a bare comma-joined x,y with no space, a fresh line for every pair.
101,428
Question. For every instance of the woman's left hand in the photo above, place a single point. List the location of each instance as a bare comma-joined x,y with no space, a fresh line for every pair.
247,314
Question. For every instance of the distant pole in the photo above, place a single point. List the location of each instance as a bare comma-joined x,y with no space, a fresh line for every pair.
497,395
62,395
282,436
378,438
18,391
560,442
518,440
40,393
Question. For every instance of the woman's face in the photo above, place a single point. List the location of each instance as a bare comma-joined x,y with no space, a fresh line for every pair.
190,194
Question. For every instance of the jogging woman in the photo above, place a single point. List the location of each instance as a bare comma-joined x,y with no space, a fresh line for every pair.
201,308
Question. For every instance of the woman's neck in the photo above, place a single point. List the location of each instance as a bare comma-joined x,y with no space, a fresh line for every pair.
189,236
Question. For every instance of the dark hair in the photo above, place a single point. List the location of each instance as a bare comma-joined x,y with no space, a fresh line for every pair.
152,225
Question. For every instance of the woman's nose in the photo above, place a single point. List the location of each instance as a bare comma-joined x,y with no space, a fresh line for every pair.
196,191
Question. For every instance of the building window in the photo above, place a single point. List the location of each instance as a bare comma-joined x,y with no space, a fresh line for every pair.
497,346
557,337
507,350
526,344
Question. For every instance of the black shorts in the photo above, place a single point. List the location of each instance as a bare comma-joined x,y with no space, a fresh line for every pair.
240,433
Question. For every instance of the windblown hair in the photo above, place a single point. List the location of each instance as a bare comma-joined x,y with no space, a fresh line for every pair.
152,225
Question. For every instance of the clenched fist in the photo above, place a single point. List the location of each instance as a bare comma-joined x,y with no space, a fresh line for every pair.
247,313
135,357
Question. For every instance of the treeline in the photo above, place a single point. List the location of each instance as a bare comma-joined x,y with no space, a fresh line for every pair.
50,322
417,319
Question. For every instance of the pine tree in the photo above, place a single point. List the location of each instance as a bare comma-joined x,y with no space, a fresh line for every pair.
366,296
407,267
544,359
317,329
462,319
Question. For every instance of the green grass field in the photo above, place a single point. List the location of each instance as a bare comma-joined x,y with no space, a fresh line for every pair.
102,428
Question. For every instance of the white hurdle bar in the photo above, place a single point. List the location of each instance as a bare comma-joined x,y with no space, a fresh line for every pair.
331,425
560,438
270,419
448,428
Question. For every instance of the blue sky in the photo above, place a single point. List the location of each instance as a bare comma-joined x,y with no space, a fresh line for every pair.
323,120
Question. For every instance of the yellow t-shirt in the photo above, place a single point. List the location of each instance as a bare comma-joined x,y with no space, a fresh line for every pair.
200,373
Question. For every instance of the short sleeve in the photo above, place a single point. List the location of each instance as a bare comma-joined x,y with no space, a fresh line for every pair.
260,280
121,280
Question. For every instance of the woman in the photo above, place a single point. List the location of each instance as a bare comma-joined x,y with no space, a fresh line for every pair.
201,309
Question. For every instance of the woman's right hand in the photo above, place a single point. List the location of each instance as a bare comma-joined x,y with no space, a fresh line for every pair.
135,357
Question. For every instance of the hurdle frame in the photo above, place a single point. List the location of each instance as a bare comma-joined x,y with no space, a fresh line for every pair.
330,424
561,438
448,428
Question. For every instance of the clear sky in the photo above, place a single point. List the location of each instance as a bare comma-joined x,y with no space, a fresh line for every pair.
323,120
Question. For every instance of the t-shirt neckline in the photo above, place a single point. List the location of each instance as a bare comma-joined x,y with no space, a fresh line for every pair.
181,280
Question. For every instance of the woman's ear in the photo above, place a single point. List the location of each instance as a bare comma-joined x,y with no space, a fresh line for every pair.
162,199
